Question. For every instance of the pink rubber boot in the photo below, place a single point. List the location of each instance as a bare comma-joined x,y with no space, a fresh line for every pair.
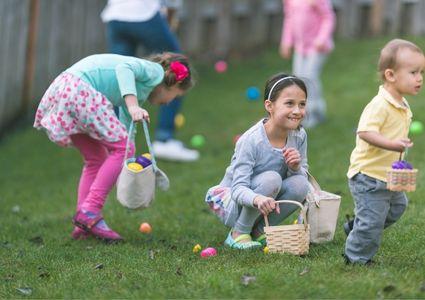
94,224
79,234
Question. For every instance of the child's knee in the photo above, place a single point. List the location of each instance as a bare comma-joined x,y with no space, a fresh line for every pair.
271,184
296,187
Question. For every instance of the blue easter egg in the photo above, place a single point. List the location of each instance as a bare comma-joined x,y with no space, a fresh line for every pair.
253,93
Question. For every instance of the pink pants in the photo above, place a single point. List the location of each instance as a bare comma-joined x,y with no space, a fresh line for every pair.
103,162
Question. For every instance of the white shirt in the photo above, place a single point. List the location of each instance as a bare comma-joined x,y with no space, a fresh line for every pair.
130,10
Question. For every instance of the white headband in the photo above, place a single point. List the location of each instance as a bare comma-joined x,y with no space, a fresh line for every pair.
277,82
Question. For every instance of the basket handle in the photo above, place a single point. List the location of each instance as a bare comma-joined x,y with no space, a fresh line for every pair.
148,142
313,182
266,219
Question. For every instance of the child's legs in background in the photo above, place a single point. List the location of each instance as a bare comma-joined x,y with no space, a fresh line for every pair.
156,37
293,188
372,209
107,172
267,184
309,68
314,66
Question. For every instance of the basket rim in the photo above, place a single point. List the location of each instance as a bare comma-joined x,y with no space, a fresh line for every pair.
402,170
292,226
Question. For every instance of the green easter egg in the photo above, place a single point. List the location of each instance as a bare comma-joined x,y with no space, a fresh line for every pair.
197,141
416,127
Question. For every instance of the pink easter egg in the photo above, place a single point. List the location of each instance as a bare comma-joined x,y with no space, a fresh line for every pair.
220,66
207,252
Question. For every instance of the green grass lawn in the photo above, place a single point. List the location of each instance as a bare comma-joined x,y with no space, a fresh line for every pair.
38,196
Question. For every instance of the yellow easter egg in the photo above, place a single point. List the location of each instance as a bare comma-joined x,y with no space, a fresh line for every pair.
266,250
179,121
147,155
197,248
135,167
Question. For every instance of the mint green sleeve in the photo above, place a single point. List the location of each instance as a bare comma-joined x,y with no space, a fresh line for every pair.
148,73
125,117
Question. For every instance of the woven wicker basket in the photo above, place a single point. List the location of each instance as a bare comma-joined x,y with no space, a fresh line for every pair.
293,239
403,180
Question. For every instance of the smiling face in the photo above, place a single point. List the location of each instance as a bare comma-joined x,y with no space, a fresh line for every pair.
162,94
407,76
288,110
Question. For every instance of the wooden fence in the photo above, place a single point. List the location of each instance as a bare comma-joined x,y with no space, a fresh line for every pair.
41,38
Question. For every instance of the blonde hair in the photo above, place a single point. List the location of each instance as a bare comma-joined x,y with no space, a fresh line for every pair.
388,56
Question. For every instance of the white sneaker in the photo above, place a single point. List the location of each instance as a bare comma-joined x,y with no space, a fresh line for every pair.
174,150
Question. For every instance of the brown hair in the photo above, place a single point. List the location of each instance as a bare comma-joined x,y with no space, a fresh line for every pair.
388,56
165,59
291,80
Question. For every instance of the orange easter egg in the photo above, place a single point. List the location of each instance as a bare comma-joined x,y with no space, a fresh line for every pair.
145,228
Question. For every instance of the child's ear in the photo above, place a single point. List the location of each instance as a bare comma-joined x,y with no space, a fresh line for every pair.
389,75
268,105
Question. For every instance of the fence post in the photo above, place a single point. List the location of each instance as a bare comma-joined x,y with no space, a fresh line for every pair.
30,55
376,17
224,15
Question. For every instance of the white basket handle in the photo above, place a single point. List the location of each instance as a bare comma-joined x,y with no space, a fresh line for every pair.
313,182
315,185
303,214
148,142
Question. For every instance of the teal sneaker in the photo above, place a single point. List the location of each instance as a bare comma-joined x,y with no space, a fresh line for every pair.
237,244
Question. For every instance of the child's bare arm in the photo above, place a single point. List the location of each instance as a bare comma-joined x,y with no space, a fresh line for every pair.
136,112
378,140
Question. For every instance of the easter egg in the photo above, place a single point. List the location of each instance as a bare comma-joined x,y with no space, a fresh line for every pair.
196,248
416,127
179,120
266,250
253,93
147,155
406,165
220,66
401,165
145,228
144,161
135,167
197,141
207,252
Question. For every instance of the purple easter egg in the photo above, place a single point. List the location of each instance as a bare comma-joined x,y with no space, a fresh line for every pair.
397,165
408,165
144,161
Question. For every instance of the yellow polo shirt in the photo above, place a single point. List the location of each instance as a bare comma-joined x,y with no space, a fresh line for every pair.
389,118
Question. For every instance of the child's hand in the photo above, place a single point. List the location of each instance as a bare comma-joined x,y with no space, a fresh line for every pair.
285,51
401,144
137,113
292,158
266,204
320,46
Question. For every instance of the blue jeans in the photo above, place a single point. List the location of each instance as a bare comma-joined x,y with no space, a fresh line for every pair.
155,36
376,208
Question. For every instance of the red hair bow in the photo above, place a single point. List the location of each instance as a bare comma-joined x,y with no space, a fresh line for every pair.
180,70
